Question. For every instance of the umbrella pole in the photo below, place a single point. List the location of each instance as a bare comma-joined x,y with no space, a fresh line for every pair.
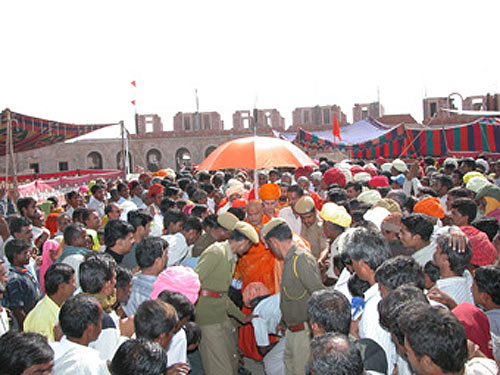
11,152
7,150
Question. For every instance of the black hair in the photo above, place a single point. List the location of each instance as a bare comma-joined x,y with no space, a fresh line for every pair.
398,271
96,187
56,275
469,162
108,208
239,212
193,333
487,279
78,214
166,204
366,245
183,183
432,271
86,213
488,225
458,192
183,307
123,277
148,250
445,180
154,318
281,232
354,184
95,271
419,224
192,223
139,218
438,334
15,246
121,186
336,195
22,350
334,353
458,261
466,207
24,203
426,191
296,189
173,216
356,286
17,223
139,356
208,187
77,313
71,194
338,261
198,195
116,230
72,231
391,306
198,210
331,310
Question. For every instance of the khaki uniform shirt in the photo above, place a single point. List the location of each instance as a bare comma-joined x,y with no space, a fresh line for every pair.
202,243
215,269
314,235
300,279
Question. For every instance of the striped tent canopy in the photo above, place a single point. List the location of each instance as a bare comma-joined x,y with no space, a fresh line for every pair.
479,137
29,132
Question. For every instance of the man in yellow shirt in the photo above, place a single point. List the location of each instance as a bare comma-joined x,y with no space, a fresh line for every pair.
60,284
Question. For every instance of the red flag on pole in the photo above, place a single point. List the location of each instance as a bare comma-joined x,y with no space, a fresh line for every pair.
133,83
336,127
133,102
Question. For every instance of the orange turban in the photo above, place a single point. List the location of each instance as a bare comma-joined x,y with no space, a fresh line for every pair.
269,192
155,189
430,206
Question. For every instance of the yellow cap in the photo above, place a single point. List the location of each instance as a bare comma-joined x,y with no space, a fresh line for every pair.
336,214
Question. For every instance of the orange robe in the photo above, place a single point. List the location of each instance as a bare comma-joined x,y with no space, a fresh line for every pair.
258,264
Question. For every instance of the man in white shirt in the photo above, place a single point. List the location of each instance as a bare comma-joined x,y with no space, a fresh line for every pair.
97,201
416,232
180,244
288,213
81,321
136,191
442,183
268,317
367,250
456,280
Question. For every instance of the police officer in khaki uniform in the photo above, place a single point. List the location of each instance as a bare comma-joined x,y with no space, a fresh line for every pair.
218,347
312,225
300,279
223,226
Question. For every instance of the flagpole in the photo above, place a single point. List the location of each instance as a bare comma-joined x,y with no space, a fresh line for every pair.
124,172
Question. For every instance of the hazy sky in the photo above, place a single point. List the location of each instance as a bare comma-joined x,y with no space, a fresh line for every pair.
73,61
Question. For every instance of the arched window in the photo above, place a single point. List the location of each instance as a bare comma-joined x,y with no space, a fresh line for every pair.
94,160
182,158
209,150
153,160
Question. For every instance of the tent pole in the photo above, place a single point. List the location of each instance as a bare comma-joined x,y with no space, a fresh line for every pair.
124,171
12,157
5,113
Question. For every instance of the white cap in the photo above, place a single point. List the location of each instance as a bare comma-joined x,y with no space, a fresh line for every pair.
376,215
399,165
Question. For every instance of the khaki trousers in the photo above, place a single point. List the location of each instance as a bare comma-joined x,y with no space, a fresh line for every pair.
297,348
219,349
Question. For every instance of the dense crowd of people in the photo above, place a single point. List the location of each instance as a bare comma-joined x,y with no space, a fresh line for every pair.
349,267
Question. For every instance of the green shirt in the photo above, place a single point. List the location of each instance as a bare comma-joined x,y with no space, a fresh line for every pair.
215,269
300,279
43,318
202,243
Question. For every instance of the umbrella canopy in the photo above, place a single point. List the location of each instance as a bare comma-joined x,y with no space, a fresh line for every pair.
256,153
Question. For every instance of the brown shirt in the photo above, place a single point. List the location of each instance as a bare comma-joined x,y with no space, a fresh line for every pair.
314,235
300,279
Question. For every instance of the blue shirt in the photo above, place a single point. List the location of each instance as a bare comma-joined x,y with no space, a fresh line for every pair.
142,287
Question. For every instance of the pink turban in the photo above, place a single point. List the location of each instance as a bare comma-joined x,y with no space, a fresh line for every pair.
178,279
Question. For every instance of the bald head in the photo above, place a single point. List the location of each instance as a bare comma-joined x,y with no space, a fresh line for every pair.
254,212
